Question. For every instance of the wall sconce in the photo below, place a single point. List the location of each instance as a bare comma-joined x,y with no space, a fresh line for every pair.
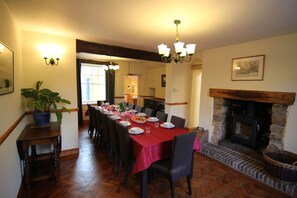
51,61
51,54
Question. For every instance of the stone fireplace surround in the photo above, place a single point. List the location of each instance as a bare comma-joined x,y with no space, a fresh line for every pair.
280,102
250,166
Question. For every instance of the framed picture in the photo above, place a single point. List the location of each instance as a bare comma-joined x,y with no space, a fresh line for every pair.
248,68
163,80
6,70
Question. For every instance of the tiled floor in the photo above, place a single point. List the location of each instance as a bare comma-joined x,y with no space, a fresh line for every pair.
248,165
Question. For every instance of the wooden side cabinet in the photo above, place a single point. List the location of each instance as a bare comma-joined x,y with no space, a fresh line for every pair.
33,162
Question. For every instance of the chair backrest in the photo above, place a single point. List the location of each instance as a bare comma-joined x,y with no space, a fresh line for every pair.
178,121
113,135
138,108
97,120
126,154
93,116
130,106
105,132
182,153
162,116
91,123
149,112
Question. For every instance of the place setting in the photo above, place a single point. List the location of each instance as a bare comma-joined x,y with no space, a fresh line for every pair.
125,123
136,130
167,125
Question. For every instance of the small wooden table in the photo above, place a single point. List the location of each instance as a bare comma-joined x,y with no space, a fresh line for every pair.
32,136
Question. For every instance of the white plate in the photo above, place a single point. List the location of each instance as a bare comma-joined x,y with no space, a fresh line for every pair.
141,114
115,117
153,119
132,111
108,113
167,126
125,123
136,130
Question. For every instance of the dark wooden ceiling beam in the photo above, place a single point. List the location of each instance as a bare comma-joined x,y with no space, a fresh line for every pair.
110,50
284,98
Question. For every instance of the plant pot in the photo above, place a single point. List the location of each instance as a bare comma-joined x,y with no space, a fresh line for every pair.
41,118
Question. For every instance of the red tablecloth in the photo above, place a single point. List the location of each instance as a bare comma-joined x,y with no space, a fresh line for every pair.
153,146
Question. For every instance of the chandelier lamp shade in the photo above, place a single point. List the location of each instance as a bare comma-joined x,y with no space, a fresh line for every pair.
181,53
112,66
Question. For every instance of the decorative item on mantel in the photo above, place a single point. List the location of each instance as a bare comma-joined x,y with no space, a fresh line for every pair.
44,101
181,52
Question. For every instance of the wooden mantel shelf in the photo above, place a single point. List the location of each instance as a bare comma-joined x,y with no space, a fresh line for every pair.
284,98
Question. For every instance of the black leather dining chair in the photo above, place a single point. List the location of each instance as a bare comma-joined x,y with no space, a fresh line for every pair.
130,106
104,141
91,121
162,116
126,155
180,163
178,121
114,141
98,125
138,108
149,112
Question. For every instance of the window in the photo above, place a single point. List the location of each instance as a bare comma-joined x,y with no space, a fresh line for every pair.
92,83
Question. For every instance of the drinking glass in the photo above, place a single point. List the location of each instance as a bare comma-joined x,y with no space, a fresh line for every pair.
156,124
147,129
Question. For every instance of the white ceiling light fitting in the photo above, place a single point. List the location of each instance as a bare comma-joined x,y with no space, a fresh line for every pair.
112,66
182,54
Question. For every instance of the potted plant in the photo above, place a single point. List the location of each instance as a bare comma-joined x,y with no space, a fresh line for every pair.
44,101
122,108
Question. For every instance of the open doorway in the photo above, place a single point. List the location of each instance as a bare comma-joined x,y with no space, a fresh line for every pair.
131,89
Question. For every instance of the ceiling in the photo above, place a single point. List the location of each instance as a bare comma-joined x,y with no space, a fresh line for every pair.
142,24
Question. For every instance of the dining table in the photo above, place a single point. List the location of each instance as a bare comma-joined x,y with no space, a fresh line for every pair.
153,143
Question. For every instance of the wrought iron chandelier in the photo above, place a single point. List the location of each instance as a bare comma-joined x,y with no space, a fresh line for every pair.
182,54
112,66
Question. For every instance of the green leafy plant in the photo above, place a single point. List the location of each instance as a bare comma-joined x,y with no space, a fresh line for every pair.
122,107
45,100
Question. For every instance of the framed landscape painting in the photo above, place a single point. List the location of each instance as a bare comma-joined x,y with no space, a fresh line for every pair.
248,68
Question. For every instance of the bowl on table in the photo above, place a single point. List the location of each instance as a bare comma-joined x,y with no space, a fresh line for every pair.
136,130
153,119
167,125
138,120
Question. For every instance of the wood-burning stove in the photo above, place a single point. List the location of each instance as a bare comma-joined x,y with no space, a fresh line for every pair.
245,130
245,125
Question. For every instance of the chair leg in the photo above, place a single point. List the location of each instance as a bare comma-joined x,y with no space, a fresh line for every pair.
189,184
120,166
114,162
172,188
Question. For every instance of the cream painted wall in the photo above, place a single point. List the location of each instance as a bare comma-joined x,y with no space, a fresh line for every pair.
279,75
178,89
195,98
11,109
60,78
153,77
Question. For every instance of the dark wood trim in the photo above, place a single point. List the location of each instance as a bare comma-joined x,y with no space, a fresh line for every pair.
176,103
284,98
10,130
119,97
14,125
110,50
